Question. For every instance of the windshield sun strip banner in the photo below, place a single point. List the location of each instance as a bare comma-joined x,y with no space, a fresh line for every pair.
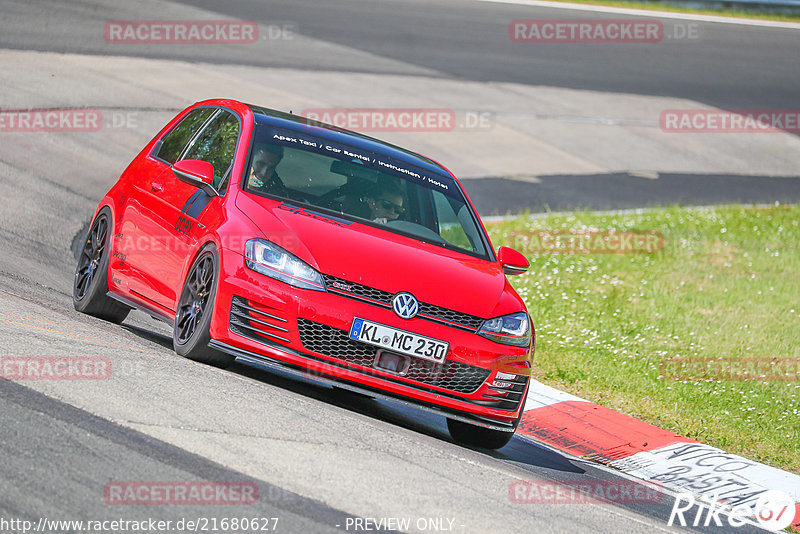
376,162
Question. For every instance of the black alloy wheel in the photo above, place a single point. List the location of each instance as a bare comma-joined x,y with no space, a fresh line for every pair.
90,287
195,308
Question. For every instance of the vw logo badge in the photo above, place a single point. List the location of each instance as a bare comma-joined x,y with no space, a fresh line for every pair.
405,305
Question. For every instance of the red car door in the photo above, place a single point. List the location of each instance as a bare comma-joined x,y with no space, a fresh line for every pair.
142,257
180,212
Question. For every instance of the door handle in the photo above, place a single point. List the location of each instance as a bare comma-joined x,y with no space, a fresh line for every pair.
156,187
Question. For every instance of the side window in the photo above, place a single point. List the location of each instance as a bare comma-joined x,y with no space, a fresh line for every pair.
216,144
174,141
449,212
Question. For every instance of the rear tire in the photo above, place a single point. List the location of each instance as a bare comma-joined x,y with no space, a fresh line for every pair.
478,436
190,336
90,287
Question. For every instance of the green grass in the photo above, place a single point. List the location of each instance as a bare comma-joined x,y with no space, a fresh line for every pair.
725,285
744,12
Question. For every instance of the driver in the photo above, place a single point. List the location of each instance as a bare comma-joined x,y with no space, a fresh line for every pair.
385,202
263,177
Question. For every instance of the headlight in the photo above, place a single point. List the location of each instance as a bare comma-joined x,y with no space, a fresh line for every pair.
271,260
514,329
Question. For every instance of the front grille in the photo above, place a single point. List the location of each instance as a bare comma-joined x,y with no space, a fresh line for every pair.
358,290
257,321
335,343
384,299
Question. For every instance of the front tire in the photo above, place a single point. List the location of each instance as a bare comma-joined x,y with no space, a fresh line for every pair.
478,436
191,335
90,287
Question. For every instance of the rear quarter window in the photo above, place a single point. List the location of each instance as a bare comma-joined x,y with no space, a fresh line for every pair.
216,144
173,143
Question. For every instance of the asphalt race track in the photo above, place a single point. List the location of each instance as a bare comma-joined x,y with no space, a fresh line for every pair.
325,460
737,66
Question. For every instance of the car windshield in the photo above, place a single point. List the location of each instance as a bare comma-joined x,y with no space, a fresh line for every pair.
364,186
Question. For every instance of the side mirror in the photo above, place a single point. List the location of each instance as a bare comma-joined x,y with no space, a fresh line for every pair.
197,173
512,261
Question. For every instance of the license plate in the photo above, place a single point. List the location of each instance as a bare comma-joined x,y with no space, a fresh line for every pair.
398,341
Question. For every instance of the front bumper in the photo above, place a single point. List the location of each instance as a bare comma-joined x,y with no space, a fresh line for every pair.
269,324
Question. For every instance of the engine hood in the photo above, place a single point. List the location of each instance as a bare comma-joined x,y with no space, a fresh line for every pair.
383,260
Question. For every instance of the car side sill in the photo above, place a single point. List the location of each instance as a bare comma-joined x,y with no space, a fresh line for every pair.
151,311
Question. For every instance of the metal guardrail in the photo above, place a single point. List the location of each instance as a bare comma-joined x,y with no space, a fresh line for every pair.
765,6
780,3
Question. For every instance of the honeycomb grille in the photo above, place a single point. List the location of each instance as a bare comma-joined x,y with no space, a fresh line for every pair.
454,376
463,320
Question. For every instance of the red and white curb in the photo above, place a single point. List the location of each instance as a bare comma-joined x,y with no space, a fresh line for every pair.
591,431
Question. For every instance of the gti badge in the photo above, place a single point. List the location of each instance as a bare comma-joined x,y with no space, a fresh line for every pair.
405,305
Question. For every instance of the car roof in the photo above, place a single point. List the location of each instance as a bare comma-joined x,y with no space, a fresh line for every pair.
334,134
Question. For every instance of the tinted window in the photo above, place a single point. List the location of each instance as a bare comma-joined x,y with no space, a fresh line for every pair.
175,140
363,186
453,219
216,144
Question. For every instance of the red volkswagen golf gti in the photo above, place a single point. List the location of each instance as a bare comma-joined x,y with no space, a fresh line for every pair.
284,243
